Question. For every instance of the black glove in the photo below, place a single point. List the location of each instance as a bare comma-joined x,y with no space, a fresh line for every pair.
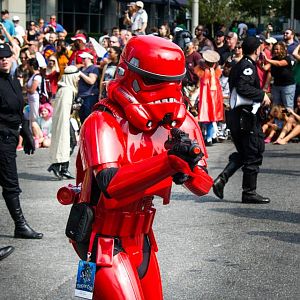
183,152
180,178
28,142
181,145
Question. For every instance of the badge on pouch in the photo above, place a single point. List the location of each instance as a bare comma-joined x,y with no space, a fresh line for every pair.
85,279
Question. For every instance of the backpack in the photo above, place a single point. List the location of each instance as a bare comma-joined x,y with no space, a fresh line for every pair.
182,38
43,90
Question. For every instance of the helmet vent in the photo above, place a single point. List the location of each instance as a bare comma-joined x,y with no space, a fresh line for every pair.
136,86
135,62
149,124
121,71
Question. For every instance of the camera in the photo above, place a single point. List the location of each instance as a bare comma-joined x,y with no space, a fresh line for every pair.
285,111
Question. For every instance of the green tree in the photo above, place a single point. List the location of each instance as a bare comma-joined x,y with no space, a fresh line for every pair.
216,11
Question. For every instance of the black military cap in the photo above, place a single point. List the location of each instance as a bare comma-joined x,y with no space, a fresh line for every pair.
220,33
5,51
250,44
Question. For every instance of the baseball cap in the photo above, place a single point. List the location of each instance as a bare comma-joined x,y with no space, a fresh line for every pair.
71,70
5,51
16,18
80,37
86,55
271,40
250,44
20,39
220,33
261,37
231,34
131,4
211,56
139,4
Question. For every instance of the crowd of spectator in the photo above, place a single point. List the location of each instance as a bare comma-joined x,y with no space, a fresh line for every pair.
278,68
42,53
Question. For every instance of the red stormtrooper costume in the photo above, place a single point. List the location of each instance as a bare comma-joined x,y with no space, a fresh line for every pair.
123,162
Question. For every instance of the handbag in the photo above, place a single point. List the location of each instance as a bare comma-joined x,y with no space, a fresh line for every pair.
79,225
77,103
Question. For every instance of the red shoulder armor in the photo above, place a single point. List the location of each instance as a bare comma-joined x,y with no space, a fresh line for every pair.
99,131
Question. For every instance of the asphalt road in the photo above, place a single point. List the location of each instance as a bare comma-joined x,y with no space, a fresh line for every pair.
208,249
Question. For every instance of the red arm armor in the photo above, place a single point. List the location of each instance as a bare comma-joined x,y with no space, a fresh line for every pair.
200,183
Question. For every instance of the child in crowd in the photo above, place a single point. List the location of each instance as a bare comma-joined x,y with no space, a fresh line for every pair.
52,75
210,104
42,128
292,127
275,124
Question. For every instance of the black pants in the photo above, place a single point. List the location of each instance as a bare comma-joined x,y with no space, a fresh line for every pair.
8,167
248,143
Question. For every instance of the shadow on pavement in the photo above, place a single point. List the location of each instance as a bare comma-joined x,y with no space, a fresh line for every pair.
281,153
289,237
37,177
266,214
203,199
6,236
275,171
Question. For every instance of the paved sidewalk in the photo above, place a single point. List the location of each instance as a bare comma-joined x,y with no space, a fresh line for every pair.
208,249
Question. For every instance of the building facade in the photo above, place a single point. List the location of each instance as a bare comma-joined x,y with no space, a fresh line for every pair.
95,16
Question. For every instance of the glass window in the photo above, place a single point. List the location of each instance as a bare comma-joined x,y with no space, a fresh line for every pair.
68,22
82,22
95,6
82,6
67,5
95,23
33,10
80,14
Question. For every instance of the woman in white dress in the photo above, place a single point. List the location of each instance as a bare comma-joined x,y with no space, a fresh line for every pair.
60,140
33,87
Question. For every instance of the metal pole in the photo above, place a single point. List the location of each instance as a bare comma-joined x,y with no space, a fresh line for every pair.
195,15
292,13
169,12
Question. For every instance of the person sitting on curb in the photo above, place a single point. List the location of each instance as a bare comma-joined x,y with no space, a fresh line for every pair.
282,140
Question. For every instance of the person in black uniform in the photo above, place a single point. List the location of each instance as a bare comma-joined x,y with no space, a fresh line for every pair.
11,115
247,102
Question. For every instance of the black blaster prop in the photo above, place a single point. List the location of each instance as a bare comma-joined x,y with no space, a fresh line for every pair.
180,142
181,145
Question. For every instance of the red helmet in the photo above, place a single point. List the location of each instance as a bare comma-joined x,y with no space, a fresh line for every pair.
148,83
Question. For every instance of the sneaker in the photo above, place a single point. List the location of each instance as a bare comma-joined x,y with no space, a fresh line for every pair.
36,143
267,141
208,144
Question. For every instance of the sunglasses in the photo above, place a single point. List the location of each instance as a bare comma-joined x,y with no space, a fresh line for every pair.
238,47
